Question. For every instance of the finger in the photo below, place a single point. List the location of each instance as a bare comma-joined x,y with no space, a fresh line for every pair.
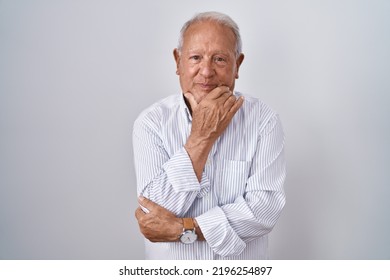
224,97
218,92
191,99
148,204
236,105
139,213
143,201
229,102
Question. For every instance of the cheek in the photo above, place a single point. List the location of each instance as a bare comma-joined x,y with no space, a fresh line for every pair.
188,74
191,70
227,76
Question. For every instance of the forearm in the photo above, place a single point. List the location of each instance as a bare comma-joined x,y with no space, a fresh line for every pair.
162,192
260,212
161,225
210,118
255,212
198,151
228,228
169,180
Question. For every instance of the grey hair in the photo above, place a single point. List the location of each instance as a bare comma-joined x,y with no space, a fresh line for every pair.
217,17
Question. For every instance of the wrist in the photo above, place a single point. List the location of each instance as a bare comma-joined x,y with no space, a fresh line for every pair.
199,144
179,228
188,236
198,230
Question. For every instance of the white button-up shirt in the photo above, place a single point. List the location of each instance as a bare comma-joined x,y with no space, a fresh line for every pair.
240,196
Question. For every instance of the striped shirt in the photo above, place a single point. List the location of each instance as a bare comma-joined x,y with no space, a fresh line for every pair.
240,196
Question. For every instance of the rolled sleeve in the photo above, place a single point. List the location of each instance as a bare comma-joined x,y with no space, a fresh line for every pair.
219,234
181,175
229,227
180,172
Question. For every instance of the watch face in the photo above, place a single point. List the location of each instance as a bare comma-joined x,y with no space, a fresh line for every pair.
188,237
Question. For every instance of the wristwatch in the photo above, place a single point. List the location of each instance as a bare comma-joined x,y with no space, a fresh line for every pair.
188,235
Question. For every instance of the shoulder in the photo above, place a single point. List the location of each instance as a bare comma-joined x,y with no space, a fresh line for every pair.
252,103
152,117
258,111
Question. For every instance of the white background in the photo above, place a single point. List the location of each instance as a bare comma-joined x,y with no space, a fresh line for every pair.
75,74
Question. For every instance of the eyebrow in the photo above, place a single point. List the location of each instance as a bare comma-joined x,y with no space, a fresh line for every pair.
215,52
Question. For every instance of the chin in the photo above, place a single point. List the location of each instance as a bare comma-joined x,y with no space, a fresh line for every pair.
200,95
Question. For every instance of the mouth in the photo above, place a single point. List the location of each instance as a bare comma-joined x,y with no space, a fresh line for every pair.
207,87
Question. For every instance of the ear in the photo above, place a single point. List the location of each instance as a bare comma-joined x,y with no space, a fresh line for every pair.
176,55
239,60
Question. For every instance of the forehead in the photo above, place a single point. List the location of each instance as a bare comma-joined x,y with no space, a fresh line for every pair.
209,34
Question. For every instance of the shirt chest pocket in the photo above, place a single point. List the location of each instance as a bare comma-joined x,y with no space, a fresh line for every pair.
231,177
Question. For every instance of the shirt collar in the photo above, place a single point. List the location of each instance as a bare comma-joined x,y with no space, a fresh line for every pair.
185,110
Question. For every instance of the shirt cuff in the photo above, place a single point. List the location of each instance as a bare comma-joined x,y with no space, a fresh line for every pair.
181,174
219,234
204,185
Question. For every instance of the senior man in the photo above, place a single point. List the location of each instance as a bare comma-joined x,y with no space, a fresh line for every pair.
209,162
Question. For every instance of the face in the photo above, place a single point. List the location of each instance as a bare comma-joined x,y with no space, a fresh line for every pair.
207,59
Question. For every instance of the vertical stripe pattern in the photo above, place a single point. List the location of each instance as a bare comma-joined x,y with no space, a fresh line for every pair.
240,196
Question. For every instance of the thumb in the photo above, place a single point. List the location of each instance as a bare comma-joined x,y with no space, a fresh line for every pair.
191,100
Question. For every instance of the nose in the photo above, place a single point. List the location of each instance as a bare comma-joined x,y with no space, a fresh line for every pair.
206,68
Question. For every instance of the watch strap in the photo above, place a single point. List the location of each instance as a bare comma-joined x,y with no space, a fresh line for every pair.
188,224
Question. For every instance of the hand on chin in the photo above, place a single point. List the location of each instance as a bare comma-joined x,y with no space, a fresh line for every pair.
200,94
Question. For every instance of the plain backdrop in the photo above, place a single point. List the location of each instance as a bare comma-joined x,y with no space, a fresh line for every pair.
74,75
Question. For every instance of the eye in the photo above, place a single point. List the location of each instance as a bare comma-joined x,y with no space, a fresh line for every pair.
195,58
219,59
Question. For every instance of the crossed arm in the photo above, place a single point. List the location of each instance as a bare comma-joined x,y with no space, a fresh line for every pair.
159,224
226,228
209,120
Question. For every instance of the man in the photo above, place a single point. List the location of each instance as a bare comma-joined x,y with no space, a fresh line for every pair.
209,163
